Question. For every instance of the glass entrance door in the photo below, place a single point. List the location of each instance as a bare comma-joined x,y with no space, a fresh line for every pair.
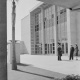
64,47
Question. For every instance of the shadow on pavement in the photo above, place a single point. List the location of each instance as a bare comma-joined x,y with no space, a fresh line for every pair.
22,64
66,60
36,74
31,69
70,60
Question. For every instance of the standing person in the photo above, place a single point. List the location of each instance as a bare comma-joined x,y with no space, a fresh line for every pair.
59,52
76,49
71,52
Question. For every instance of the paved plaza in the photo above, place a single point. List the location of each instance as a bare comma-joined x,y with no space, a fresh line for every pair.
29,72
43,67
50,62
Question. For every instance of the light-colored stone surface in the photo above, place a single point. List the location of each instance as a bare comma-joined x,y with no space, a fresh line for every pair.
9,53
50,62
25,35
29,72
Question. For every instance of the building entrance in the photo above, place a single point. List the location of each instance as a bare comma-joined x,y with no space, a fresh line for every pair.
64,48
50,48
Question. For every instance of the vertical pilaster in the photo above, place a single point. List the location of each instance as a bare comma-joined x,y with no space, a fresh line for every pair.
68,30
42,22
3,40
32,25
55,29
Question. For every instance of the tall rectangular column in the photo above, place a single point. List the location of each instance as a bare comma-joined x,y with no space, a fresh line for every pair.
68,31
32,28
3,40
42,22
55,29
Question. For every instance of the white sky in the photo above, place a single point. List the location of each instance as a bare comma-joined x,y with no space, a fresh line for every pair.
22,10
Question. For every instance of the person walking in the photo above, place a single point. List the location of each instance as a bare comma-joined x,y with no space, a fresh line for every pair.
71,52
76,51
59,52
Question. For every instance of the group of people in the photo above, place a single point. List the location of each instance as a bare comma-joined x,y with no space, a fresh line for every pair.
72,52
72,49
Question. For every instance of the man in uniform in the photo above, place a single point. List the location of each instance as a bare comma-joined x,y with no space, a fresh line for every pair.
71,52
59,52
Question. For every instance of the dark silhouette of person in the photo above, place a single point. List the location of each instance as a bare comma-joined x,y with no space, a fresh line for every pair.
59,52
76,50
71,52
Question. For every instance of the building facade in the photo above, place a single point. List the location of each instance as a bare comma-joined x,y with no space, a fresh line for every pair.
50,24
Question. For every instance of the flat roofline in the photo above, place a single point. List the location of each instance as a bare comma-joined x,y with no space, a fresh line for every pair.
38,7
25,16
35,7
63,3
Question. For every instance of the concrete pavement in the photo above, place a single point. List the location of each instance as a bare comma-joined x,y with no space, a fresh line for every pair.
29,72
43,67
50,62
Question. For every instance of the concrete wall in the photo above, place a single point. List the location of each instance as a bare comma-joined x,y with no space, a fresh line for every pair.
23,48
9,52
25,35
78,30
73,27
